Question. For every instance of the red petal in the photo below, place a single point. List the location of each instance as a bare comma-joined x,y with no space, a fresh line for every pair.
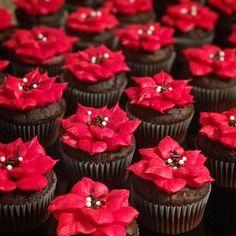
110,230
117,199
125,216
171,185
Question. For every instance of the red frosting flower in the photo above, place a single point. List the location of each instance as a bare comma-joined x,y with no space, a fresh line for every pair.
160,92
96,64
23,166
91,209
39,45
150,37
171,168
3,65
211,59
190,15
228,7
5,17
232,37
220,127
40,7
34,90
90,21
98,130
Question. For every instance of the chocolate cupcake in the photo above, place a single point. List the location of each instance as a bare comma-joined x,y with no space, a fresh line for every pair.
30,107
94,211
41,47
98,143
30,13
72,5
213,74
170,187
148,48
164,107
92,27
27,185
96,77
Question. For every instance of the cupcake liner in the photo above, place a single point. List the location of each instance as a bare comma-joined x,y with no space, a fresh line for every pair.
150,69
214,100
170,219
27,215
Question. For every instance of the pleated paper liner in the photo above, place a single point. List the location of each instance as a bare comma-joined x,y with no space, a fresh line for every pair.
170,219
28,214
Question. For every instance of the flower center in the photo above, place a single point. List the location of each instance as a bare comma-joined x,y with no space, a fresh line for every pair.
175,160
232,121
41,37
92,202
149,31
91,15
163,88
99,121
218,56
28,86
193,11
99,59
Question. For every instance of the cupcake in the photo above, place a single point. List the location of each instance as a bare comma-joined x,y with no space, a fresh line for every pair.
92,27
27,185
98,143
30,107
164,106
30,13
213,75
41,47
90,209
170,187
217,140
132,11
148,48
96,77
72,5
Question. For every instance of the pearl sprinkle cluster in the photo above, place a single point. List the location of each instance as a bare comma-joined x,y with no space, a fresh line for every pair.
7,164
150,30
193,11
92,203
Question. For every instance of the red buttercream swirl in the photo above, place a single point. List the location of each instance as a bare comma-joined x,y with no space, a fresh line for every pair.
39,7
150,37
211,59
39,45
160,92
228,7
90,21
34,90
189,16
232,37
96,64
220,127
171,168
6,21
3,65
23,166
98,130
90,209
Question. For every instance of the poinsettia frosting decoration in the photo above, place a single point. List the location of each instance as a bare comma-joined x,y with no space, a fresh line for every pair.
39,7
6,21
220,127
228,7
90,21
33,91
150,37
171,168
24,166
3,64
90,209
232,37
211,59
40,44
96,64
160,92
98,130
189,16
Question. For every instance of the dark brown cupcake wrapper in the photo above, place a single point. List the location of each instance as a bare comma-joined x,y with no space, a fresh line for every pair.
170,219
28,215
214,100
150,69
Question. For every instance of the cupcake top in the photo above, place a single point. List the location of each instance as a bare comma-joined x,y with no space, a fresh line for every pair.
189,16
3,64
232,36
89,21
24,166
171,168
150,37
39,44
212,60
90,209
220,127
6,21
228,7
98,130
95,64
35,90
160,92
39,7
